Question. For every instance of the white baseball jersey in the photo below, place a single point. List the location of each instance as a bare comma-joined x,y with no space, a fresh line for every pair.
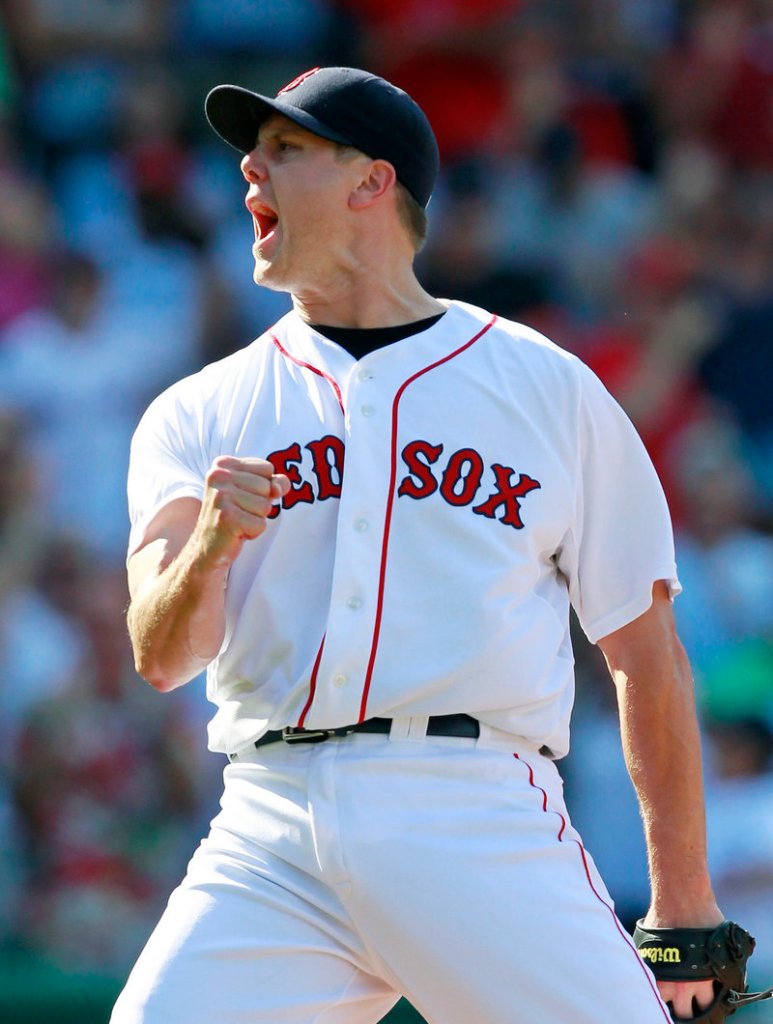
451,494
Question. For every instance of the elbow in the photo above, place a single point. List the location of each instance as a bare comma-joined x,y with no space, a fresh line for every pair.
152,664
156,675
162,683
164,662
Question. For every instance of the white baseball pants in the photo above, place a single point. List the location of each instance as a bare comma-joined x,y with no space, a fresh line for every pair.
338,876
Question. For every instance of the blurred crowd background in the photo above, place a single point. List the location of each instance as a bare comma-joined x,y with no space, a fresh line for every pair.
607,178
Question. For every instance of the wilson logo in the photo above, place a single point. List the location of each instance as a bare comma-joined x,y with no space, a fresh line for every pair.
661,954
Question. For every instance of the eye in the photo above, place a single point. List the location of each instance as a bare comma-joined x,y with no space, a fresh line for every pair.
284,147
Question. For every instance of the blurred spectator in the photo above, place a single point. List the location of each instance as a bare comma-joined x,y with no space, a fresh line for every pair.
189,233
725,615
284,28
57,365
739,802
576,220
27,226
157,160
129,206
20,530
464,254
39,651
72,53
45,30
81,376
648,349
107,785
422,46
7,75
715,85
739,368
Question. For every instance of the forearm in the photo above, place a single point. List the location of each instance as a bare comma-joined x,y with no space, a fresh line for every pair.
662,750
661,742
177,620
177,579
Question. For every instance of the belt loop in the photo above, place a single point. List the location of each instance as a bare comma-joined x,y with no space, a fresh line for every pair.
417,727
401,728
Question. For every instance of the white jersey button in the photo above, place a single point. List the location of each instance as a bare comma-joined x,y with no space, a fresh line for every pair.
361,525
365,374
339,680
355,603
367,410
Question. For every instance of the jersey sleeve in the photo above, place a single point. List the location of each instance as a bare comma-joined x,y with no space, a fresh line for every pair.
167,461
622,539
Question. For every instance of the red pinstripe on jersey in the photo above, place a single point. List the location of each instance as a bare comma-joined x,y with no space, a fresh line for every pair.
308,366
312,684
594,890
337,391
390,506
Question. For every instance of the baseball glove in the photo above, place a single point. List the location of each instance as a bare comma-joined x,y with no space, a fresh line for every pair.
697,954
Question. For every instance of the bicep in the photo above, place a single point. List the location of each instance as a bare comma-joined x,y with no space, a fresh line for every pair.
164,539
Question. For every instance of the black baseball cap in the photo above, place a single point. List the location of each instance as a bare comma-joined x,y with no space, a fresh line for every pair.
344,105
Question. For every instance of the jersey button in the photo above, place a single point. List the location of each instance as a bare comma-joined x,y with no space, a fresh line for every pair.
365,375
355,603
367,410
361,525
339,680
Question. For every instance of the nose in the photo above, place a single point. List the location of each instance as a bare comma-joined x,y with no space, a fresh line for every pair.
253,166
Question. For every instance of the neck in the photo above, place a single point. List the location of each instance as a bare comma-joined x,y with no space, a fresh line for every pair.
370,292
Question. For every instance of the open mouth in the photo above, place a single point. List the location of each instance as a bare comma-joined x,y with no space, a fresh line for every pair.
264,220
265,223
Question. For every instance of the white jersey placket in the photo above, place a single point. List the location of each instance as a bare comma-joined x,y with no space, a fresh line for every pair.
343,667
340,684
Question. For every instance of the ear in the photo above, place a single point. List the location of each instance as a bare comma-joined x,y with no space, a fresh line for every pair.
379,179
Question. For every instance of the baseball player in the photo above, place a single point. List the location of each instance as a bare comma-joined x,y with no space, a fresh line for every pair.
369,526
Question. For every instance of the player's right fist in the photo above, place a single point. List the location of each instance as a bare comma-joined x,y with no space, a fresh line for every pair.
238,499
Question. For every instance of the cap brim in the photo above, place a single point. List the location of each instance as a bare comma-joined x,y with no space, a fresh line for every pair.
236,114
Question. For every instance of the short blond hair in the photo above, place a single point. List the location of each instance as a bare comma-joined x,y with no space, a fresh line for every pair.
412,214
413,217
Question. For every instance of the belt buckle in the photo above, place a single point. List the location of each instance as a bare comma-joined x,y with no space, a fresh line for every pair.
295,734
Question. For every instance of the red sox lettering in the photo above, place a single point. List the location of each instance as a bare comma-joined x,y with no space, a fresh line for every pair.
459,483
461,480
327,455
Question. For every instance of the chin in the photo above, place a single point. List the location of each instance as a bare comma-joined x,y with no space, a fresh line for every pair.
267,276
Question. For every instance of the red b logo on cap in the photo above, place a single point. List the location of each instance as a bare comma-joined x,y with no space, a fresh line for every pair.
297,81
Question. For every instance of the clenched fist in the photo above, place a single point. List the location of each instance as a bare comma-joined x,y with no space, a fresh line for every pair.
238,499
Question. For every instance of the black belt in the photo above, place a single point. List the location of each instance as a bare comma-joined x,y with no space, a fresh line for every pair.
437,725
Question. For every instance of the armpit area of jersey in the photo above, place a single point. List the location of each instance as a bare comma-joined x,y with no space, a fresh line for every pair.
359,341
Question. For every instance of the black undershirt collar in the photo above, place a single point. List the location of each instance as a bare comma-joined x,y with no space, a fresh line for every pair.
359,341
